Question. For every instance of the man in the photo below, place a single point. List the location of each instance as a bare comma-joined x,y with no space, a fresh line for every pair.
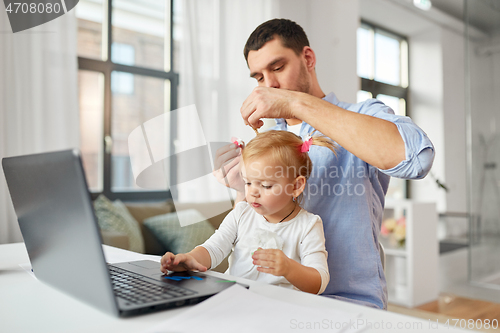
346,190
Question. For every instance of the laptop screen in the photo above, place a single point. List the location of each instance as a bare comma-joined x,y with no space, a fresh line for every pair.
57,221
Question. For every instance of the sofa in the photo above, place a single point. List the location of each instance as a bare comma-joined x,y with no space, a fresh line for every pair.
154,228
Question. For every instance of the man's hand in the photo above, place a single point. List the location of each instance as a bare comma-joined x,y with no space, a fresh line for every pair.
227,167
271,261
179,263
266,102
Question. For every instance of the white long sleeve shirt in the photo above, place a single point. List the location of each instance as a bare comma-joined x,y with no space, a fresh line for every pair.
243,231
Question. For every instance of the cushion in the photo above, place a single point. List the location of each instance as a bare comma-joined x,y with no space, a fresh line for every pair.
115,217
179,239
142,211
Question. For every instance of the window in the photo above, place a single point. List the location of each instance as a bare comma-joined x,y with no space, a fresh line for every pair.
382,65
126,77
122,83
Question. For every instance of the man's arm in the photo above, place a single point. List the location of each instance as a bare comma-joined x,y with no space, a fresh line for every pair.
373,140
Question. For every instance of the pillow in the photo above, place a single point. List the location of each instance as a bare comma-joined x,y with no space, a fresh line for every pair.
179,239
142,211
115,217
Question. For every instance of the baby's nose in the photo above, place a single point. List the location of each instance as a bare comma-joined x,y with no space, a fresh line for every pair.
254,191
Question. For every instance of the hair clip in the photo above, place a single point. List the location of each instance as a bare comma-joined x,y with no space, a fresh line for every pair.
238,142
307,144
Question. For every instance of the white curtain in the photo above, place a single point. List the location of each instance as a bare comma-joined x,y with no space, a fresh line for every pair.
38,98
214,75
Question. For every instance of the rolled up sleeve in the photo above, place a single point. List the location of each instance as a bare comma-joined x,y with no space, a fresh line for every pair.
419,153
419,150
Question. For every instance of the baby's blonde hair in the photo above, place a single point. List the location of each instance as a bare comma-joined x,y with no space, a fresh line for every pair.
285,148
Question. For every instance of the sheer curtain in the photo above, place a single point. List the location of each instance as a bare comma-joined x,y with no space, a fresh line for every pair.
214,75
38,98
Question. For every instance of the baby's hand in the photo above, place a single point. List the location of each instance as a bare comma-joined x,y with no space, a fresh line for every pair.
180,262
271,261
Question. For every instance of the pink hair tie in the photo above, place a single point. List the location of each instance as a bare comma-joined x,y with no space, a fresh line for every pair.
238,142
306,145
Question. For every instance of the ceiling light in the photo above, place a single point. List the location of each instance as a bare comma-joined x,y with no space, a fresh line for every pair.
423,4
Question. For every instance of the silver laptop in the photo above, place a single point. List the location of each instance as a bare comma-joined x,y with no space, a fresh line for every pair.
62,237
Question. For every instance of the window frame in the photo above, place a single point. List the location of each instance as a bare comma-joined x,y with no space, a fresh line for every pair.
377,87
106,68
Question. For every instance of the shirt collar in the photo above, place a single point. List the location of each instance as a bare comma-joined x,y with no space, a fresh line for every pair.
331,98
280,121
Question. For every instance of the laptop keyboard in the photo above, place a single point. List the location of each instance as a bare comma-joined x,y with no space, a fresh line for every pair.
129,286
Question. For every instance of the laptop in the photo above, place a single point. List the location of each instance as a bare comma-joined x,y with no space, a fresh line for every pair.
57,220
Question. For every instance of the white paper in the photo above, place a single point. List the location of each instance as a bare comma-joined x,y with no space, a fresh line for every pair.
115,255
237,309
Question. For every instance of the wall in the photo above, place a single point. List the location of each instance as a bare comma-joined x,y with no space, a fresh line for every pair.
331,28
437,104
333,33
426,108
453,54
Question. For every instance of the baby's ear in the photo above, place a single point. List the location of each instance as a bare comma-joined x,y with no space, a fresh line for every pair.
299,185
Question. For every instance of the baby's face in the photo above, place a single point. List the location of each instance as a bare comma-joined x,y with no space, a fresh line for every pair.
268,188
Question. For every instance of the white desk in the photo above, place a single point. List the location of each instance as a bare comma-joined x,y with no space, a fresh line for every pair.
28,305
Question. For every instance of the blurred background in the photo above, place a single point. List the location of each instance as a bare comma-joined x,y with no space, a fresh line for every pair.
90,77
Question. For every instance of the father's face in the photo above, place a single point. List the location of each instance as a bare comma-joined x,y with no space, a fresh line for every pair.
276,66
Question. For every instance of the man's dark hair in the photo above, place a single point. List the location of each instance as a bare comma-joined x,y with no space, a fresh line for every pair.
291,34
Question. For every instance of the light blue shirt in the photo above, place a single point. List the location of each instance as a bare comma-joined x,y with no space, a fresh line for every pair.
349,195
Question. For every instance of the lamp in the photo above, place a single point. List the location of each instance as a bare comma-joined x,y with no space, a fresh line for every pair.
423,4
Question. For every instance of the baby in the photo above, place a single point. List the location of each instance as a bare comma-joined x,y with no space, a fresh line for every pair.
272,238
